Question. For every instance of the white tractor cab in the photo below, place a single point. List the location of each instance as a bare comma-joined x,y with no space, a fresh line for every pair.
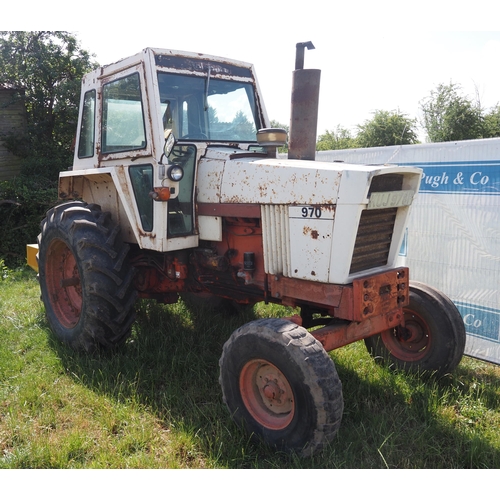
176,188
130,108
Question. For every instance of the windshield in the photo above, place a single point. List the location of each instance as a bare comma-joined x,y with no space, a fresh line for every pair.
205,108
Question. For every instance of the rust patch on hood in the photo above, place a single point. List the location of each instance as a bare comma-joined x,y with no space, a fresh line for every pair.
313,232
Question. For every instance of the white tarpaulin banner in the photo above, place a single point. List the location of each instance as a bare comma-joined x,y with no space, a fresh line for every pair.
453,238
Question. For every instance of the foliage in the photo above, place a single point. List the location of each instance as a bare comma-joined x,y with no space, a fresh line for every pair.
4,270
48,66
340,138
23,203
277,124
156,402
450,116
447,116
491,122
387,128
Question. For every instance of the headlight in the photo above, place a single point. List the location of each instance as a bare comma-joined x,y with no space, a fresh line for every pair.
175,173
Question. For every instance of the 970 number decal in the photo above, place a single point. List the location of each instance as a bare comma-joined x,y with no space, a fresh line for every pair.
310,212
315,212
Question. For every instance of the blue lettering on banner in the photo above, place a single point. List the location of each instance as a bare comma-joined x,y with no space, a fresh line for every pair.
480,321
471,177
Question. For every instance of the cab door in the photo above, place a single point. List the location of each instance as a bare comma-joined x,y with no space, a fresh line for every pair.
180,220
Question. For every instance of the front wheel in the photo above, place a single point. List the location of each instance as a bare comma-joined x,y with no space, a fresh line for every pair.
432,340
280,384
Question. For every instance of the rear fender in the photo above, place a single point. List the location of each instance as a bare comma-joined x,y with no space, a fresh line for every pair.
111,189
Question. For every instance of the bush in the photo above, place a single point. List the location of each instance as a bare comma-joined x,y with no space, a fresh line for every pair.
23,203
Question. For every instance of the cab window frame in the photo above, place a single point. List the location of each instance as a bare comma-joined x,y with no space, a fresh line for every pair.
86,142
110,118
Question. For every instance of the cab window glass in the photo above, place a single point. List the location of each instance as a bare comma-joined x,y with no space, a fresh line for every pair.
141,177
203,108
123,115
180,209
87,130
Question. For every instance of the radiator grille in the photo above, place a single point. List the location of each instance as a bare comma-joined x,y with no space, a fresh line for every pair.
276,237
373,240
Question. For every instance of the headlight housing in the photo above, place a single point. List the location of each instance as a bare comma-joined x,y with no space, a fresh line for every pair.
175,173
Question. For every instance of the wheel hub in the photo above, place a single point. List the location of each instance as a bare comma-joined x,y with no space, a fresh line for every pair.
63,284
411,342
267,394
271,391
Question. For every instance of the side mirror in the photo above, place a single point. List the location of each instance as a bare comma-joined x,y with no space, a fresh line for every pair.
169,142
174,172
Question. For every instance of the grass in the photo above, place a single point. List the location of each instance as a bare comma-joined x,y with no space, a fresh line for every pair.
156,402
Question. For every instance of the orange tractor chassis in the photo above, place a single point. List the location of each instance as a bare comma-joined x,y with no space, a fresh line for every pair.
369,306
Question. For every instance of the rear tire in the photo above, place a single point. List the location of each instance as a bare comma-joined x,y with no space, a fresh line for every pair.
433,340
85,282
281,385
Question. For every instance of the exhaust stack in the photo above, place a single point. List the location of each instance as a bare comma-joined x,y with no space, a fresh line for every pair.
304,107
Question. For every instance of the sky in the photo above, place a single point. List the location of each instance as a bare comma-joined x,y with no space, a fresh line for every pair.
382,55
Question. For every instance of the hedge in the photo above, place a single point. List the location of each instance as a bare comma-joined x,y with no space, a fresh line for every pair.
23,203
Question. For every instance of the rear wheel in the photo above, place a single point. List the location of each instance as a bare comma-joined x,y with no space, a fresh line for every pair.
281,385
85,283
433,339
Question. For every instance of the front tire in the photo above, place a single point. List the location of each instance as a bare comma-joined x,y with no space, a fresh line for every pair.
433,340
85,282
281,385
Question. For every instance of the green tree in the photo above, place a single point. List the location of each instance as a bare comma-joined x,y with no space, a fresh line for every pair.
242,127
450,116
387,128
492,122
277,124
49,66
340,138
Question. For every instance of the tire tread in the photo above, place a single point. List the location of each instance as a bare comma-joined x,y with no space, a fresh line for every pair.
316,365
107,283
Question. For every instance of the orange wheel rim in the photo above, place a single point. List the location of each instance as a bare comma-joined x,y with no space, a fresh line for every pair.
63,284
411,343
267,394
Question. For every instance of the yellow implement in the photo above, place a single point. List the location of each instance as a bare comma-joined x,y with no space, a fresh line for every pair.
31,253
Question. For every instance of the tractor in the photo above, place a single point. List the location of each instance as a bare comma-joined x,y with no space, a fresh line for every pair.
177,188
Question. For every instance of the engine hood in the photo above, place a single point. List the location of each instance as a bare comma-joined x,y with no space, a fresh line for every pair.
231,176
